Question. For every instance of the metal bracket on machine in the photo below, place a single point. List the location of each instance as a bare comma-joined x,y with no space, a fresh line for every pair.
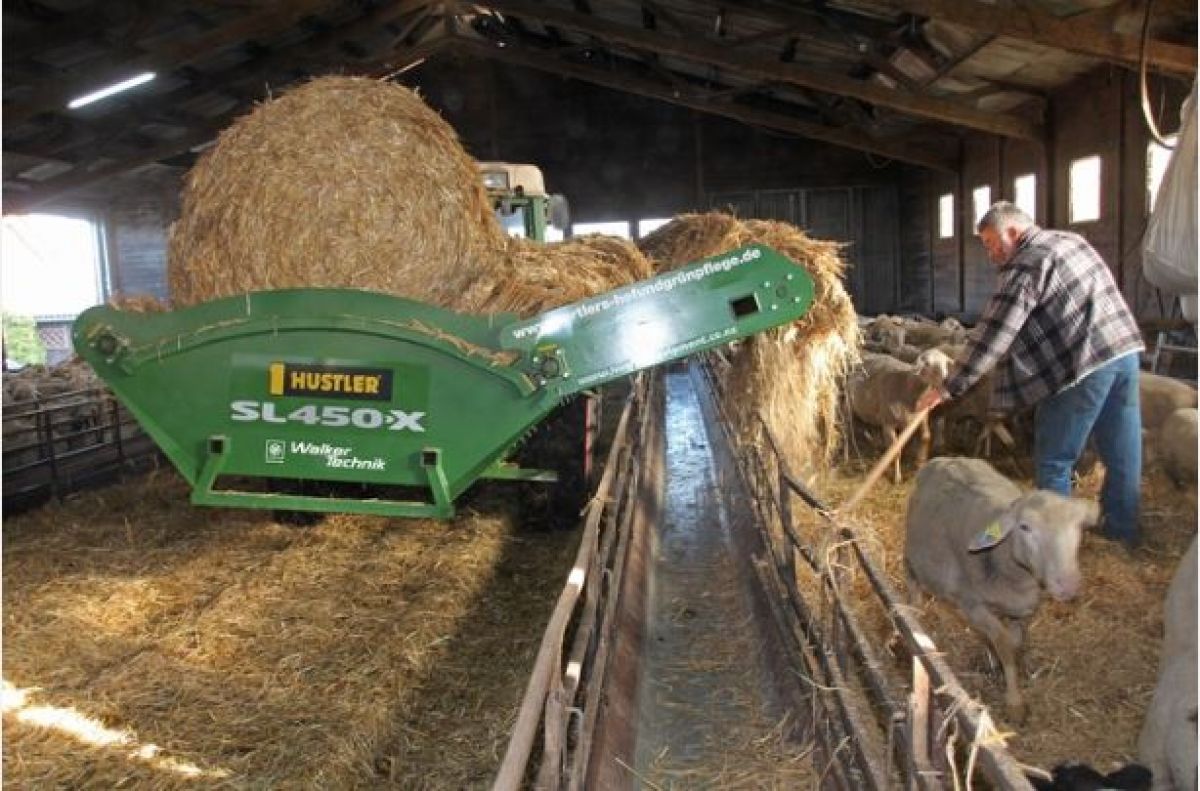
206,493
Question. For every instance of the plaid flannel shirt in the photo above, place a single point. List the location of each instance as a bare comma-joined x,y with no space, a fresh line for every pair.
1056,317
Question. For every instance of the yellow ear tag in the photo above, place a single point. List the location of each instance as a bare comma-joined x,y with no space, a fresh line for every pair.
994,531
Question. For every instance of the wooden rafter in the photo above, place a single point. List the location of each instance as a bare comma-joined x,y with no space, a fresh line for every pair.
1068,34
698,99
721,57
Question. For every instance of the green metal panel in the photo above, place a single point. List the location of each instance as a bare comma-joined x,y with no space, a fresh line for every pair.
697,307
352,386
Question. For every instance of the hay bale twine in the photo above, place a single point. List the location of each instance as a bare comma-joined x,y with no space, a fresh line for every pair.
340,182
791,375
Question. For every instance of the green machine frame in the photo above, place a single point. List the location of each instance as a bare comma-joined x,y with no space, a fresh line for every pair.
355,387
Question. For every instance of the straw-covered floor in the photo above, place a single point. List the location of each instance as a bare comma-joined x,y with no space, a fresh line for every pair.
152,644
1089,666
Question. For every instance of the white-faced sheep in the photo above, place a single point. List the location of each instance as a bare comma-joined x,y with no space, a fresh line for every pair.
974,539
1160,396
883,392
1167,743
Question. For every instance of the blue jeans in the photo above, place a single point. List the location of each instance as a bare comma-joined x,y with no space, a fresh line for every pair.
1105,404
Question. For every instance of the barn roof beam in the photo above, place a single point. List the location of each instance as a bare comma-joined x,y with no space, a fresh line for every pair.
1027,24
699,99
720,56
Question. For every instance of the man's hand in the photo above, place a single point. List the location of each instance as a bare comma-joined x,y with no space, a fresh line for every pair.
929,399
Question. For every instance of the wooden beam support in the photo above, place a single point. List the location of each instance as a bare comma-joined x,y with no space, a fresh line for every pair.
668,17
720,56
1067,34
702,101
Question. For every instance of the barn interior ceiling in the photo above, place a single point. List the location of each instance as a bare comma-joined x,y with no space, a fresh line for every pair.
897,78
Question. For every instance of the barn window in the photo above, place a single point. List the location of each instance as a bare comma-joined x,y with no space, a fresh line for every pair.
1025,193
619,228
52,272
981,199
1157,159
647,227
946,216
1085,189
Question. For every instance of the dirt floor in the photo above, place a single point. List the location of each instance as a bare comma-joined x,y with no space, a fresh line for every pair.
152,644
1090,666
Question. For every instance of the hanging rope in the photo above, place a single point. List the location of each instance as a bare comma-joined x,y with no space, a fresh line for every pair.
1147,113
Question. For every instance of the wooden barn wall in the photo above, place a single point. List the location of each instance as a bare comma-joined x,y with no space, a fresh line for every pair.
136,242
945,292
620,157
617,156
915,289
1098,114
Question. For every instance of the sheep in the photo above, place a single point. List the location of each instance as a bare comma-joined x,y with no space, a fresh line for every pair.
927,336
883,392
1160,396
1167,743
933,365
887,332
1175,446
973,539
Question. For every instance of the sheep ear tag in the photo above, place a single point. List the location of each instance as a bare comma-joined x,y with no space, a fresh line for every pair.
989,537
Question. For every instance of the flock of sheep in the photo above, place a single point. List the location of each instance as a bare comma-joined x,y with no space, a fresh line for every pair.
974,539
50,410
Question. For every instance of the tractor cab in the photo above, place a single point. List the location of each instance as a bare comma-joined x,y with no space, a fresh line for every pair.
519,199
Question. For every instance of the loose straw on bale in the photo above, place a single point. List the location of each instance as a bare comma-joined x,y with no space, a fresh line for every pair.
530,277
791,375
341,182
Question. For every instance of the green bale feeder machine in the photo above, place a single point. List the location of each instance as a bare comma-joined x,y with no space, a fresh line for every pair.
356,387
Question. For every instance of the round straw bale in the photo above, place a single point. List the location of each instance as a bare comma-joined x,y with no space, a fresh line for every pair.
341,182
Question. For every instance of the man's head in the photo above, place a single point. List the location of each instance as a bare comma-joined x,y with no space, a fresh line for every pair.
1000,228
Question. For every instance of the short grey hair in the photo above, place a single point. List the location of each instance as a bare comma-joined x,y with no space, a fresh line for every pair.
1004,214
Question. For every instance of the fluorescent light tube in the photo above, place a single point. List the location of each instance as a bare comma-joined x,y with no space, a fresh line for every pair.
104,93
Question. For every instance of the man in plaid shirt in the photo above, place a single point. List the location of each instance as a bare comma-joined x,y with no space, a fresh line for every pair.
1062,338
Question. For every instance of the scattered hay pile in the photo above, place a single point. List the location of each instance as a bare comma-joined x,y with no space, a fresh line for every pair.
791,375
154,644
342,182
